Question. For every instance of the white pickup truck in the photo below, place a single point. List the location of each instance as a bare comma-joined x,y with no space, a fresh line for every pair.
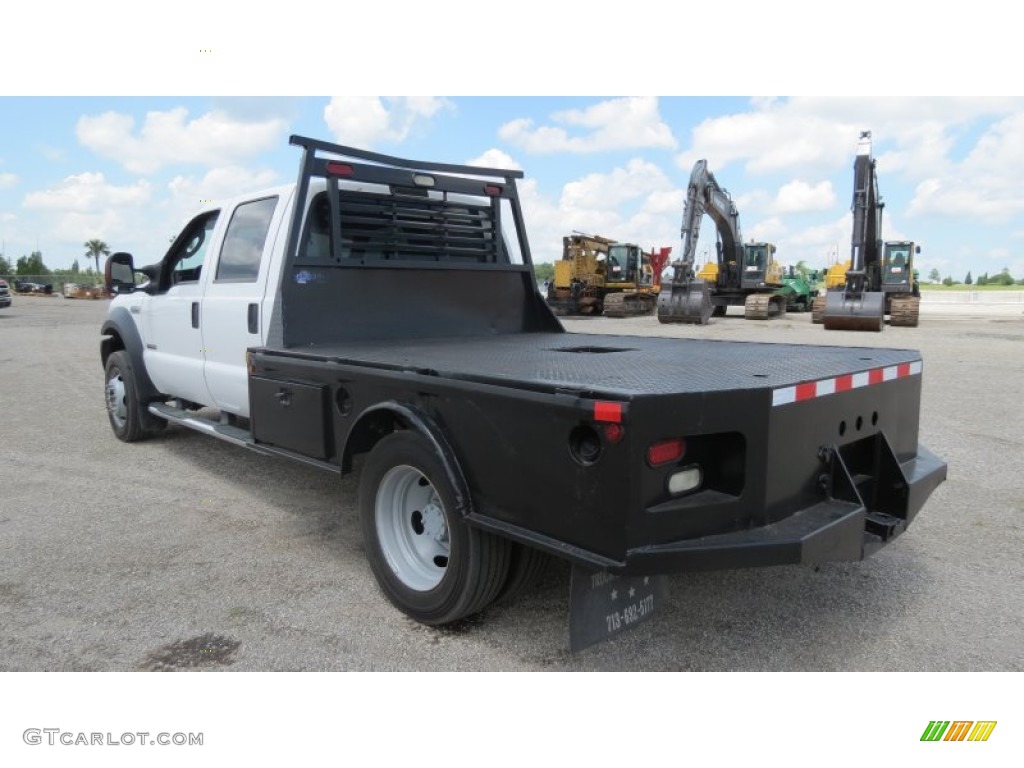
388,307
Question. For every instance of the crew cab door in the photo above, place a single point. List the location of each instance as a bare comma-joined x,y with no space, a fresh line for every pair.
232,305
171,317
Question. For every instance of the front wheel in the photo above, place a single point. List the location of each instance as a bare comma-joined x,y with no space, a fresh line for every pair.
127,414
428,562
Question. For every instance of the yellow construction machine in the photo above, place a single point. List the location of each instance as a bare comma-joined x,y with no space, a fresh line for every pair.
597,275
835,280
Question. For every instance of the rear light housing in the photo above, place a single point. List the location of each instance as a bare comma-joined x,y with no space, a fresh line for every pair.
666,452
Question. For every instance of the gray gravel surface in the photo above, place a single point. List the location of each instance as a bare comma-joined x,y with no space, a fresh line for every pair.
187,553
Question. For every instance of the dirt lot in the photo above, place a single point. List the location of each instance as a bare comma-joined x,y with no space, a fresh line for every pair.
187,553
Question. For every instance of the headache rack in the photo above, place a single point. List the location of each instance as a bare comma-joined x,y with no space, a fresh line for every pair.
385,211
384,248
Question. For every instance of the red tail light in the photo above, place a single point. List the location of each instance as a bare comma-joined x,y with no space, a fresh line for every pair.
613,432
666,452
610,412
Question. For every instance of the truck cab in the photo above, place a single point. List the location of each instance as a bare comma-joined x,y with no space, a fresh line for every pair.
207,300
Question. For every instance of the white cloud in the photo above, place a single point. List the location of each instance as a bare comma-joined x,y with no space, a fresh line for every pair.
636,203
496,158
165,138
628,123
187,192
817,245
602,191
988,184
767,230
219,183
818,135
755,198
88,192
799,196
7,180
85,205
779,138
365,121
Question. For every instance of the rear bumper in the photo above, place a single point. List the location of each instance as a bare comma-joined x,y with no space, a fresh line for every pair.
839,528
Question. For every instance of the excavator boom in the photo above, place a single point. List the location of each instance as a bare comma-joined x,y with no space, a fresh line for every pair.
860,306
687,298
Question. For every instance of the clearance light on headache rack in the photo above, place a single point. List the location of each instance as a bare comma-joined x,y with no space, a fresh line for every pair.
493,190
338,169
422,180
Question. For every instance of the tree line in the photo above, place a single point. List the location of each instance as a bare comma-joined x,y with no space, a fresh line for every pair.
1004,278
33,264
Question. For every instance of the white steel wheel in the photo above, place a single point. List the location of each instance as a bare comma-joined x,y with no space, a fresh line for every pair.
427,560
412,528
117,405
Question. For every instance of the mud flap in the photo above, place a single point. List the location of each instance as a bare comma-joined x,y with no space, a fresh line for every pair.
602,605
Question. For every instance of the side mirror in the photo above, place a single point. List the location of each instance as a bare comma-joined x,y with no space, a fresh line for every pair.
917,249
119,274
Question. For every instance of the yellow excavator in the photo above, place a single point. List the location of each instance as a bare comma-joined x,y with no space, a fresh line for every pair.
597,275
835,280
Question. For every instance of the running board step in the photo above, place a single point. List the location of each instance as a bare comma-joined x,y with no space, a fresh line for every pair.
232,434
226,432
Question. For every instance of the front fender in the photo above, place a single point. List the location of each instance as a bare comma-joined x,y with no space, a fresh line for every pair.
122,333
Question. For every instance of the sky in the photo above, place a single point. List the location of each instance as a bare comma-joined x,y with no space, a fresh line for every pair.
131,170
198,107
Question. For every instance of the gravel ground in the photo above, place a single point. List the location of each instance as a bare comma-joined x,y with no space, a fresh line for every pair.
187,553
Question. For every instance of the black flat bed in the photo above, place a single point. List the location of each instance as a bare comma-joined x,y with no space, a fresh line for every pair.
624,366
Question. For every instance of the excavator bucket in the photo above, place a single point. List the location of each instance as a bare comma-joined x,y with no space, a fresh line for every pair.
846,311
688,302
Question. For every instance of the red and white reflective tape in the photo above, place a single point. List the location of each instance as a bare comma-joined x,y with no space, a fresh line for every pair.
810,389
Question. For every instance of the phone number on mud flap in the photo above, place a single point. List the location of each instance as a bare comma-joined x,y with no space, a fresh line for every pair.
630,614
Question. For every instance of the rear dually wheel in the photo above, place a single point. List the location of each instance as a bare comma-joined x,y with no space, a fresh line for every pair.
428,562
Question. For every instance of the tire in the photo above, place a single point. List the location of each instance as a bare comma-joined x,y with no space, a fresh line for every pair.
128,417
429,563
526,566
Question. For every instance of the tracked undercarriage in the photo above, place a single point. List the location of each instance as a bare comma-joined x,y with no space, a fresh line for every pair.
629,304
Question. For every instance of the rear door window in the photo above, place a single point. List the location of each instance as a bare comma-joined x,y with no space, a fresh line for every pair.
242,251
